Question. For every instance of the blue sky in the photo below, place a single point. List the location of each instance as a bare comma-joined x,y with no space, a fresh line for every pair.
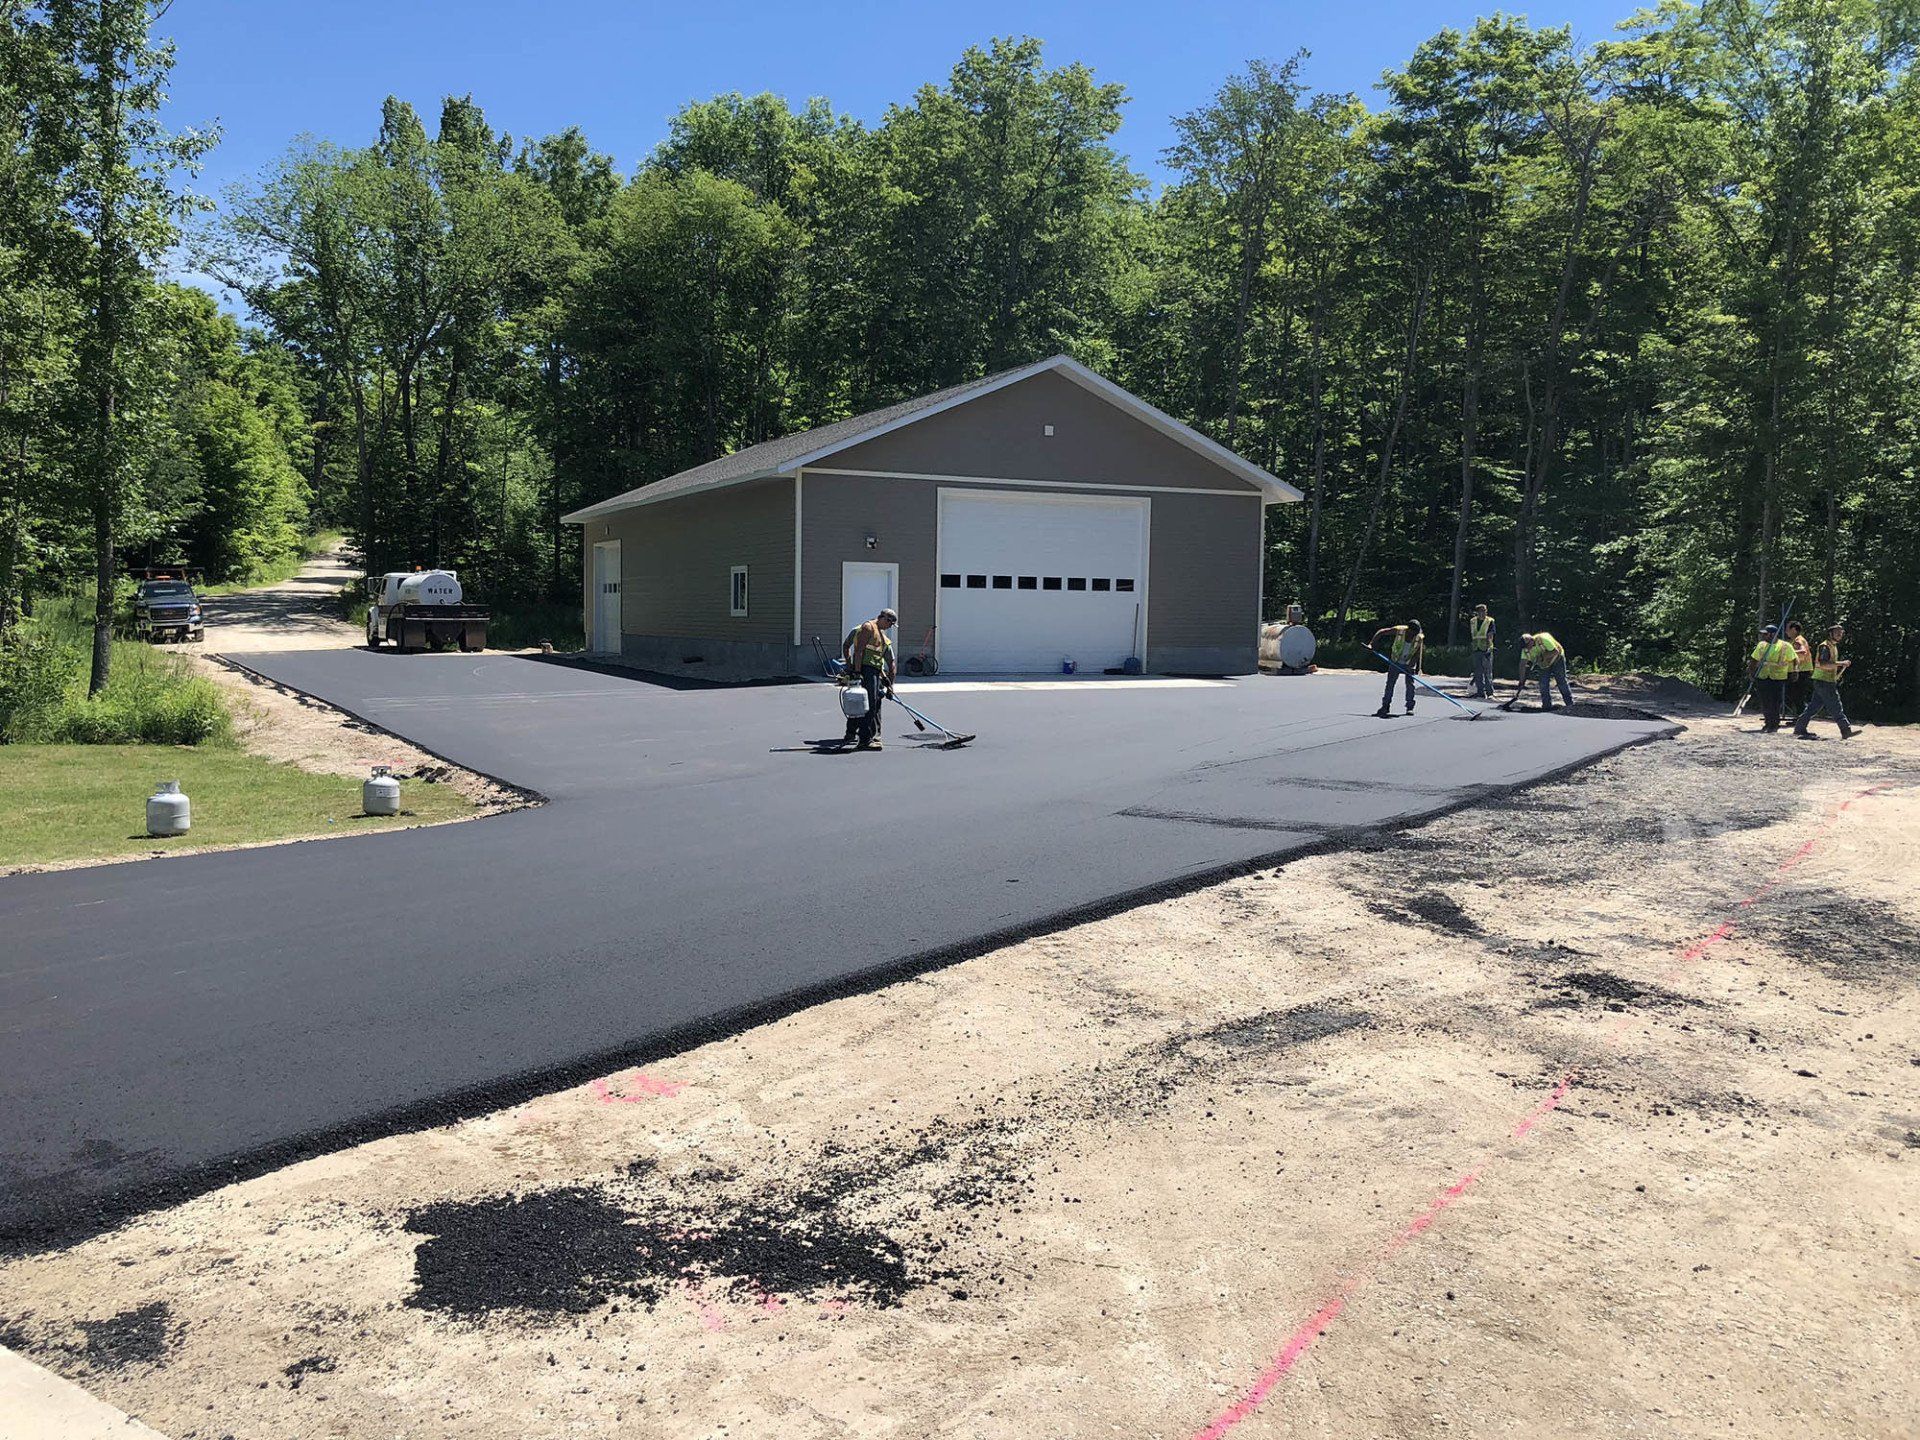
270,70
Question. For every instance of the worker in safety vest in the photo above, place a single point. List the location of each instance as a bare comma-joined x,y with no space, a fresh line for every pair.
1480,634
1828,667
1801,675
869,652
1547,659
1768,668
1409,649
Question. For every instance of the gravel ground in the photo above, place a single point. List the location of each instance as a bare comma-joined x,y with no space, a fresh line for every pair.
1475,1100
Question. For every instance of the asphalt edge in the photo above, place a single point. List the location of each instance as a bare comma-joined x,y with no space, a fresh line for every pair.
526,793
102,1214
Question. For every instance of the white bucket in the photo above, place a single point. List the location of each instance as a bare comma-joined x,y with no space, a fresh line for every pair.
853,702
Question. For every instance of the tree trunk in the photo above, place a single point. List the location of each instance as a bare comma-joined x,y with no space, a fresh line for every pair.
1830,556
550,379
1389,442
410,444
107,322
1319,455
1469,440
13,485
1469,444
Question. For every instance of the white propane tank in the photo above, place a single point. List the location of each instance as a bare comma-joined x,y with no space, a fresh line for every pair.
1296,647
853,702
430,587
381,794
168,811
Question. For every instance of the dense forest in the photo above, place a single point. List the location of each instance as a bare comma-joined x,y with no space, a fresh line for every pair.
1623,339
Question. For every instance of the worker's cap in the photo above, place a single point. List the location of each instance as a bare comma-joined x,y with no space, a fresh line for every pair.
889,615
1525,638
1769,629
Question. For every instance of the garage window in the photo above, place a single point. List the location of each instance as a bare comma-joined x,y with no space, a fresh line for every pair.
1003,582
1029,582
1103,584
1052,582
1076,582
738,591
1123,585
976,582
949,582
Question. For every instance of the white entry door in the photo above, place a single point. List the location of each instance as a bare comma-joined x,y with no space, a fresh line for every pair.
604,623
1028,579
866,588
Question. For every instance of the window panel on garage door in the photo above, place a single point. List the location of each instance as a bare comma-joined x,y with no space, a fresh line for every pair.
1030,578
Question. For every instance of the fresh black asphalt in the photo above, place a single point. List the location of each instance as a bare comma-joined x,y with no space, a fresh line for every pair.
174,1023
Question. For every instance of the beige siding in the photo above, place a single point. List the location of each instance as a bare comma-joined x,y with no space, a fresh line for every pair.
1003,436
1203,565
1203,580
676,557
837,513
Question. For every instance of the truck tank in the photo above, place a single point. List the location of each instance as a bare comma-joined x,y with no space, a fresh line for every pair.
430,587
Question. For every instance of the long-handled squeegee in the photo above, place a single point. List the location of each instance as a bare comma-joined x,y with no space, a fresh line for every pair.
921,722
1779,633
1396,665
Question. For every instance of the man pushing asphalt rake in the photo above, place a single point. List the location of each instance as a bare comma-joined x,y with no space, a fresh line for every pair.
1409,647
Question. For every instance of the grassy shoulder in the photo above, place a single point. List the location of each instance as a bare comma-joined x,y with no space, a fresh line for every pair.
88,802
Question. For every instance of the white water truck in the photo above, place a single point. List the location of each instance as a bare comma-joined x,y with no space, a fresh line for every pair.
422,610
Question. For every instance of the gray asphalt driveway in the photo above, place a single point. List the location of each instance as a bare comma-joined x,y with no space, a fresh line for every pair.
172,1023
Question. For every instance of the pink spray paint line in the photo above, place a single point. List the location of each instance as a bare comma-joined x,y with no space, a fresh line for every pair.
712,1320
1297,1344
634,1088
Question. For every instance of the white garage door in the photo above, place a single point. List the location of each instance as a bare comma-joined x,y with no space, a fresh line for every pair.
1029,579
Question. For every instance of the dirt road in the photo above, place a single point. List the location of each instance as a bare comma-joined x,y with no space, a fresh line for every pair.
298,614
1593,1113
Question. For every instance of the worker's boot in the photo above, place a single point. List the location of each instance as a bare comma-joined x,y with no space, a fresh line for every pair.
1383,713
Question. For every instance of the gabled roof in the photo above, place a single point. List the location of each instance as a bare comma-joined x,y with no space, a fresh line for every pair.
789,453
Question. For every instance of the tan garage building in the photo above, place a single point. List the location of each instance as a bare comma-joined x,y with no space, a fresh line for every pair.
1025,518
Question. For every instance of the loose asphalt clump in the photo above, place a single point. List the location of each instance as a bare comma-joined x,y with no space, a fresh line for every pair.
570,1250
1272,1031
310,1365
1433,908
1848,937
1156,1072
1615,991
140,1336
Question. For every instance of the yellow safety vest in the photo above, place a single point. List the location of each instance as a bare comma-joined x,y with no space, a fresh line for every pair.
1826,665
1776,659
871,647
1545,650
1482,632
1402,646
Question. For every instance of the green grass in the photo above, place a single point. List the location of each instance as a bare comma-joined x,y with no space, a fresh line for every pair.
151,696
74,802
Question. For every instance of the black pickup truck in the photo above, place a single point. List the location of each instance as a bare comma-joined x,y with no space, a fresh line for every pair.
168,607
